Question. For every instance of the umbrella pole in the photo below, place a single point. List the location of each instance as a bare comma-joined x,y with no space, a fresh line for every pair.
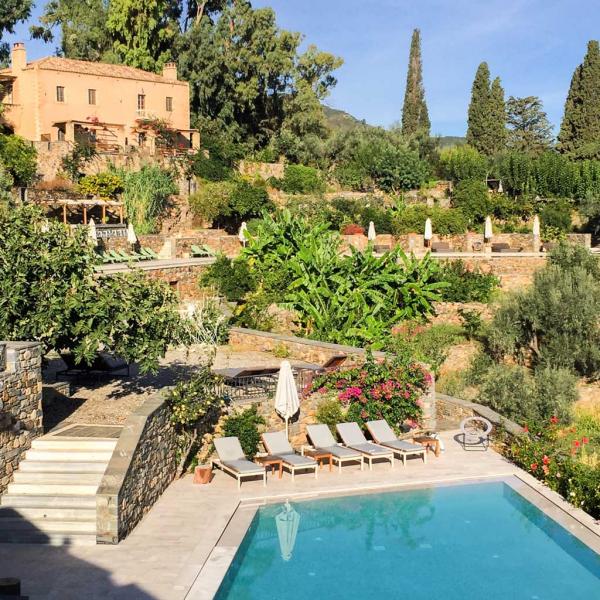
287,433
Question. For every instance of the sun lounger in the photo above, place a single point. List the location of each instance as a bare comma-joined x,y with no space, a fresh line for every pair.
354,438
128,256
383,434
201,251
277,445
150,254
232,460
323,441
118,258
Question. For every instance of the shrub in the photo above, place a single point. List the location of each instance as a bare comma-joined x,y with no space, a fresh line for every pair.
19,158
467,284
103,185
473,199
73,162
244,425
146,195
517,394
6,183
555,322
389,390
300,179
463,162
212,200
381,217
556,215
562,462
249,200
353,176
210,167
233,279
428,345
330,413
445,221
353,229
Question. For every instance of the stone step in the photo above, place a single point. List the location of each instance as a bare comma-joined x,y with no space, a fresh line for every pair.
65,538
18,501
14,524
33,466
42,489
59,513
69,455
57,478
57,443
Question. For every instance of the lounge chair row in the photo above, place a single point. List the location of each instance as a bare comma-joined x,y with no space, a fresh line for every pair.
355,448
119,256
202,251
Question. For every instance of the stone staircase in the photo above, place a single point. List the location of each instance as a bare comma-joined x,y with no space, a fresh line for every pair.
52,498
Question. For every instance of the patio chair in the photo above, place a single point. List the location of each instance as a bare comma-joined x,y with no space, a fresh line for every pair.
323,441
232,460
355,439
278,445
475,431
383,434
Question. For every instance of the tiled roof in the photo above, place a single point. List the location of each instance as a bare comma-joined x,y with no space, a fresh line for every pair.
97,69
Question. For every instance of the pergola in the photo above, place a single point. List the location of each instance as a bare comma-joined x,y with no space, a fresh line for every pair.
85,205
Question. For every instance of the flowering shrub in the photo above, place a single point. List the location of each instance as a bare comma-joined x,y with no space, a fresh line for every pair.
564,459
353,229
390,390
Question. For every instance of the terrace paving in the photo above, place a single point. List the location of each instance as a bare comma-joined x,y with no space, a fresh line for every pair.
162,558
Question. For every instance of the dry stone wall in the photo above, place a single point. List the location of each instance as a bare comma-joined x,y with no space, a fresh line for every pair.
20,403
143,464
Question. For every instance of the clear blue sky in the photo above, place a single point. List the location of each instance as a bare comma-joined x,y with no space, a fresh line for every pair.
532,45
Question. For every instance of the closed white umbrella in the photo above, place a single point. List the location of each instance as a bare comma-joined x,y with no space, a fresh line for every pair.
131,237
92,235
287,521
536,226
428,230
371,235
287,402
488,232
500,188
242,233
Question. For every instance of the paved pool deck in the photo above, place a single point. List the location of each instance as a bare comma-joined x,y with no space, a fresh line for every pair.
179,550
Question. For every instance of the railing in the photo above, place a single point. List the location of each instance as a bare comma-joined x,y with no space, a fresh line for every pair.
258,387
2,357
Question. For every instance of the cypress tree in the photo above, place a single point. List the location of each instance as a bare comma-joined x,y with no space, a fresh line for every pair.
478,108
497,133
580,129
487,113
415,117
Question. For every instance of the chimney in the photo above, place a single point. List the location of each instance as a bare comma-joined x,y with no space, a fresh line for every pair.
170,71
18,57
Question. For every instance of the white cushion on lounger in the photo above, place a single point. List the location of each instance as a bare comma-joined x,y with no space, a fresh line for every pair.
369,448
244,466
277,443
296,459
229,449
405,446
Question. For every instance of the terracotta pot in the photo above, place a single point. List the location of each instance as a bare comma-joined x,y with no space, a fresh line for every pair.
202,474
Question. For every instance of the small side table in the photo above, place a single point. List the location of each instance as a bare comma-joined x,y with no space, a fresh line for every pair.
319,457
429,443
271,461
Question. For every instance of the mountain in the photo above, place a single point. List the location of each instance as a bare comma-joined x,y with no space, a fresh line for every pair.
341,120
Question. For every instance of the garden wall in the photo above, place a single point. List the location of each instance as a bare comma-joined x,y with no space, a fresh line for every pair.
143,464
454,410
182,276
312,351
20,403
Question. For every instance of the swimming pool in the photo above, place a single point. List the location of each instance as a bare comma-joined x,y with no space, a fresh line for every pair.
459,542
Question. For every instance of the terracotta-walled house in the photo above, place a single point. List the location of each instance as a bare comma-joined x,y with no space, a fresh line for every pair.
113,106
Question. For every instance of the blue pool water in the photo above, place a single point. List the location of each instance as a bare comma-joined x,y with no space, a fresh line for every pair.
468,542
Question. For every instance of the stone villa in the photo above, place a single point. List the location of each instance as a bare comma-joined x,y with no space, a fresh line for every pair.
57,99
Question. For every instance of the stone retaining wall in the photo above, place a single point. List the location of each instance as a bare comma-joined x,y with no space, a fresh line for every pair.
316,352
143,464
449,408
20,404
